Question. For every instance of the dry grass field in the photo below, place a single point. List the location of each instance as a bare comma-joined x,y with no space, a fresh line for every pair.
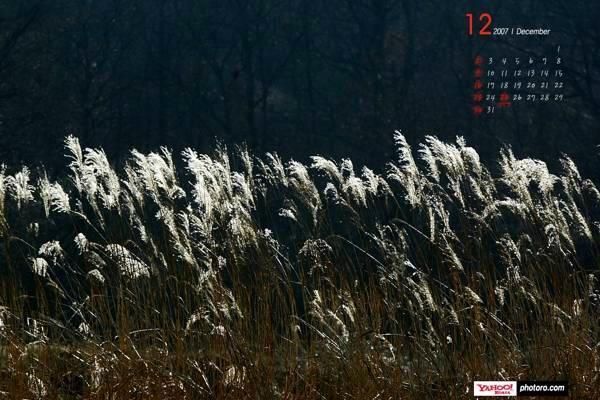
230,276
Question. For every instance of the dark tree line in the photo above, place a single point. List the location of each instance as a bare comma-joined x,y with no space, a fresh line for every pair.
296,76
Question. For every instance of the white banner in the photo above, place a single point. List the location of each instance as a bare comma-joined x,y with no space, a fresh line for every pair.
494,388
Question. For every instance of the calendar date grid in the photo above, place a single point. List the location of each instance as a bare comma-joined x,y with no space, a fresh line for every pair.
499,82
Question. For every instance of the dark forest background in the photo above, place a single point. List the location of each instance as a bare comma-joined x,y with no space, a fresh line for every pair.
300,77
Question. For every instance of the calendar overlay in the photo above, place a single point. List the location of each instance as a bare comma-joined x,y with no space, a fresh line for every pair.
501,82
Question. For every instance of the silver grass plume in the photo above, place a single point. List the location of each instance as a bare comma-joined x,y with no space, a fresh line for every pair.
519,174
100,179
52,250
328,168
76,165
299,180
81,242
39,266
53,196
128,264
406,172
511,257
19,187
353,186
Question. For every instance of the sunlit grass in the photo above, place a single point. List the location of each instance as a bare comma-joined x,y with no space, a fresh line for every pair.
228,276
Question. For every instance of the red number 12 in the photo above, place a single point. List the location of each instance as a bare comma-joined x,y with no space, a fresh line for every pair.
485,19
